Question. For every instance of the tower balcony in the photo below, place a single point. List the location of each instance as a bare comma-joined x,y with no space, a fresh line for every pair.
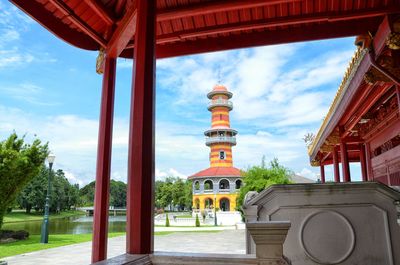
220,103
221,139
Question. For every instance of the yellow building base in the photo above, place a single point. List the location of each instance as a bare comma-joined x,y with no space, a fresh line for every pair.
225,201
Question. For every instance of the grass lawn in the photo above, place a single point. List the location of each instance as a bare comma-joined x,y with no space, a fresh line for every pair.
184,216
32,243
23,217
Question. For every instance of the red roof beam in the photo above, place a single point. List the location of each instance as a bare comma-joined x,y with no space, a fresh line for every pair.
101,11
78,22
375,94
123,33
215,6
295,34
280,21
38,12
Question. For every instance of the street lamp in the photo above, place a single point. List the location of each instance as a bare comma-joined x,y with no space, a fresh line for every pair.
45,225
215,209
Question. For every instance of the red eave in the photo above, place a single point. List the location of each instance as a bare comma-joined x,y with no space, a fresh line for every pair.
217,171
197,26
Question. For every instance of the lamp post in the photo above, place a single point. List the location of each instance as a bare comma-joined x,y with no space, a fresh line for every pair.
215,209
45,225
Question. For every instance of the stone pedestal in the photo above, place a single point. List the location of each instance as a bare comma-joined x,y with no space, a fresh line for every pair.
269,238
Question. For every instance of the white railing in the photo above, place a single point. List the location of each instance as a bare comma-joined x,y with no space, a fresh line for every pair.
224,190
221,139
208,191
220,103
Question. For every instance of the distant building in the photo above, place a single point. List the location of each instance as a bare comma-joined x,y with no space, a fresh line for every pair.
219,184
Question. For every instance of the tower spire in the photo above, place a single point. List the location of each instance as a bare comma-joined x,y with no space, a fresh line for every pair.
220,137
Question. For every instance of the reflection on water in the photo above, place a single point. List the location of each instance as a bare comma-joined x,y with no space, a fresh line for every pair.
68,225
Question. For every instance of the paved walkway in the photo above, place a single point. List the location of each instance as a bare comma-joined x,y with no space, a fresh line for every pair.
226,241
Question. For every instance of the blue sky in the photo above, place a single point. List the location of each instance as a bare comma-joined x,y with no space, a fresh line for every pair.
50,89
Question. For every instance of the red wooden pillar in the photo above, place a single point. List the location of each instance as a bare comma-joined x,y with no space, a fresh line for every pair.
322,171
336,172
363,163
398,96
140,204
101,197
370,176
345,162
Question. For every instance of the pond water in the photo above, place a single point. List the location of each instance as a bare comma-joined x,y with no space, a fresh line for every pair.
68,225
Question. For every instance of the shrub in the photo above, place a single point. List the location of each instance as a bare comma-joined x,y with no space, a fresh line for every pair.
197,220
167,221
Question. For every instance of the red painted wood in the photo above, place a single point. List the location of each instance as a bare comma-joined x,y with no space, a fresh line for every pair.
368,161
123,33
78,22
336,172
294,34
39,13
383,71
345,162
322,171
398,96
363,105
214,7
101,11
101,199
330,17
140,201
363,163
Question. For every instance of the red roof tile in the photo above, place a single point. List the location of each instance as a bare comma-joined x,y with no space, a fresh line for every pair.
217,171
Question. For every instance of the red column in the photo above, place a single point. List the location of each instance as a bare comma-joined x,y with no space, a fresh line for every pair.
398,96
101,198
322,171
140,204
336,172
363,163
345,162
370,176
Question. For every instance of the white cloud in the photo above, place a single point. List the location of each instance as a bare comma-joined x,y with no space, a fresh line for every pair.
171,172
306,172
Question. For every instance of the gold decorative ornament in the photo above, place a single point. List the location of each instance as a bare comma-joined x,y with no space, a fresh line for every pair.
100,62
393,41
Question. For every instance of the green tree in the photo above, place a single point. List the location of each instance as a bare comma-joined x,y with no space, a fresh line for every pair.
19,163
86,194
34,194
257,178
117,193
63,195
173,189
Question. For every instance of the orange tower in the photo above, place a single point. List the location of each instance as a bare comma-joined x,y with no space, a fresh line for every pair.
218,185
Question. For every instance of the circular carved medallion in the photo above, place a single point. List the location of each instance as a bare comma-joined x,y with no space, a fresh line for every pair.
327,237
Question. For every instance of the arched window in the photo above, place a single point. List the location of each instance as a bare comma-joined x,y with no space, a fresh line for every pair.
208,185
222,155
224,205
223,184
238,184
196,185
208,203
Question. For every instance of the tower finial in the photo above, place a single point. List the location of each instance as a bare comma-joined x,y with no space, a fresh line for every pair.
219,75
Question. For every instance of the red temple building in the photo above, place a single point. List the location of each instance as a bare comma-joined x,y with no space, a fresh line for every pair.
363,122
218,185
362,125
